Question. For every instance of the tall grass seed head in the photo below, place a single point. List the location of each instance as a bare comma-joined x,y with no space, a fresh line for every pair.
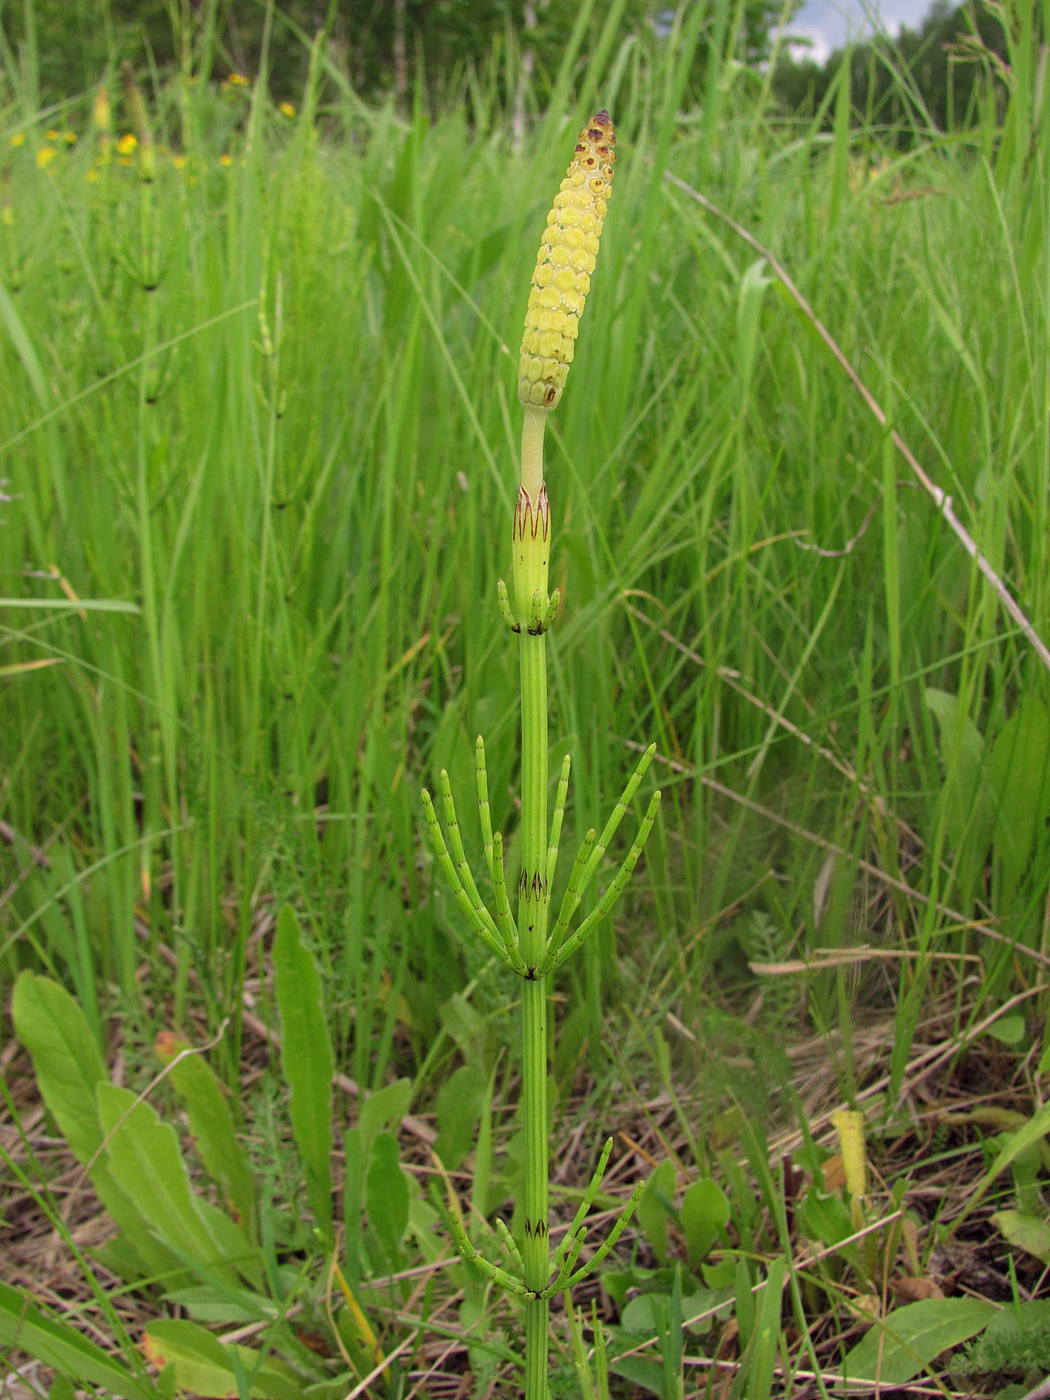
562,277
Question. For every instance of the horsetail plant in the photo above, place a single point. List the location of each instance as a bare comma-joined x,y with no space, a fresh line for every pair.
526,942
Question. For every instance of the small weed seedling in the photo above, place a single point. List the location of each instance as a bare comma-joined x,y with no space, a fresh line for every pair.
529,945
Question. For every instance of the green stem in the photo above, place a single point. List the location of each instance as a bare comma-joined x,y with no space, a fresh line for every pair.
533,909
531,555
533,426
533,889
535,1249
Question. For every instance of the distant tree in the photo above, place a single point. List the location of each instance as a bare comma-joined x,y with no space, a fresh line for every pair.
934,75
62,48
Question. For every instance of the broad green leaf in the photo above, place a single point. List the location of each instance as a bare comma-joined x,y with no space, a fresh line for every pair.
387,1197
1019,773
656,1207
1014,1144
143,1156
464,1023
236,1248
824,1217
646,1375
56,1344
1025,1232
384,1109
206,1367
458,1108
153,1259
355,1158
306,1057
66,1058
205,1303
650,1312
967,797
1019,1317
705,1213
211,1123
900,1346
1008,1030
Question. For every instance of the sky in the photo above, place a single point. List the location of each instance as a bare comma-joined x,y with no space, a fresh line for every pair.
829,24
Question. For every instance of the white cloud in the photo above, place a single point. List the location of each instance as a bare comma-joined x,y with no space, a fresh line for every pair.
831,24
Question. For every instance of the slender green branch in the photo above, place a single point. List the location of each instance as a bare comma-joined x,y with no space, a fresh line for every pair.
466,1247
511,1244
618,814
573,893
559,815
505,609
455,840
607,1245
478,916
605,905
504,918
585,1204
484,812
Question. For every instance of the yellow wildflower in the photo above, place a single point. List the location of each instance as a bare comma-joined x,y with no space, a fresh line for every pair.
127,143
45,156
286,108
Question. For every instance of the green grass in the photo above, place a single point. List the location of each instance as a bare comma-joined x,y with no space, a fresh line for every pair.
271,403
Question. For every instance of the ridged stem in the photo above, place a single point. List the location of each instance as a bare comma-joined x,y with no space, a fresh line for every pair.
531,555
532,429
535,1247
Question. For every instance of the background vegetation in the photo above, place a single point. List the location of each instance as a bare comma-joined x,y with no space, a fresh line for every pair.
260,325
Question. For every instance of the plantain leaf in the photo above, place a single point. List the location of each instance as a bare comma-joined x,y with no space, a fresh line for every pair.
387,1197
705,1213
1019,773
144,1159
656,1208
56,1344
65,1056
212,1126
1025,1232
384,1109
206,1367
460,1102
904,1343
151,1258
306,1058
967,797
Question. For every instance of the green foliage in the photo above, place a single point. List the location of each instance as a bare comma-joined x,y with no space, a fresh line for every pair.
901,1345
1016,1341
705,1213
249,466
66,1058
306,1059
172,1233
206,1367
212,1125
405,48
58,1345
939,76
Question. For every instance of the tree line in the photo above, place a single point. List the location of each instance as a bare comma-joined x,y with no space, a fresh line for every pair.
55,50
934,77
